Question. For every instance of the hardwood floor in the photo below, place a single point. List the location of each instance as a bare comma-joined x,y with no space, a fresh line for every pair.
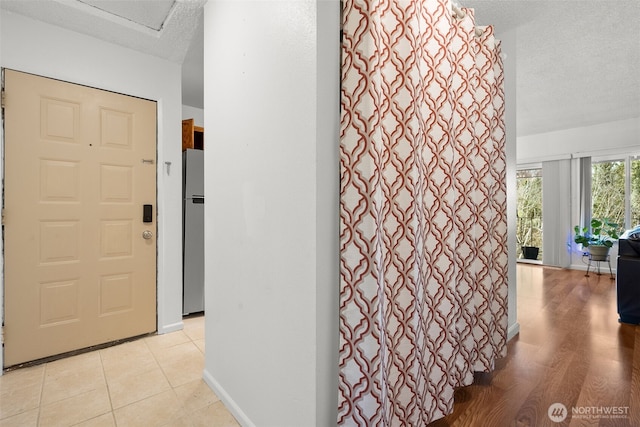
571,350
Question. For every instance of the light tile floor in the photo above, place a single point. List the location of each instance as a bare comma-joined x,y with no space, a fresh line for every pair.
153,381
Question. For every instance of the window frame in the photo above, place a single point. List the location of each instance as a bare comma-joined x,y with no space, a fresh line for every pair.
626,158
529,166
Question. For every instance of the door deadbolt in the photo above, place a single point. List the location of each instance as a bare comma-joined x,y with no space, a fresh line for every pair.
146,234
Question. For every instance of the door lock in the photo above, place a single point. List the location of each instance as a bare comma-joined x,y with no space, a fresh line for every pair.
147,213
146,234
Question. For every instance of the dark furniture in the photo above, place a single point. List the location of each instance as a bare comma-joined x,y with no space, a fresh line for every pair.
628,281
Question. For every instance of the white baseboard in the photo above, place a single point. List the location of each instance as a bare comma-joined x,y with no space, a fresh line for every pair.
604,267
529,261
178,326
229,403
513,331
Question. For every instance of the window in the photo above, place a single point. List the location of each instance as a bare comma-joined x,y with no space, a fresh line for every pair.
529,221
635,193
608,191
615,190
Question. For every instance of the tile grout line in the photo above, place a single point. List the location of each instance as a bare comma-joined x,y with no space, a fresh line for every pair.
44,376
106,383
192,337
173,388
155,358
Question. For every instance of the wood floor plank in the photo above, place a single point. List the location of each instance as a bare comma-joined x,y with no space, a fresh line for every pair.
634,398
571,350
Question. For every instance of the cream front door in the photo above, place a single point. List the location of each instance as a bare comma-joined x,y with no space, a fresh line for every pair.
80,262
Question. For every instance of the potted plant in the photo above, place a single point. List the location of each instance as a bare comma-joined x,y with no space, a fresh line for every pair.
528,233
599,240
530,252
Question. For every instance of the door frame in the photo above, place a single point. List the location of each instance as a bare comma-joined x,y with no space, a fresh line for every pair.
166,320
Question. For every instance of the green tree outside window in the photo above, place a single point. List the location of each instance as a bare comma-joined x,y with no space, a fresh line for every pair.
529,220
608,191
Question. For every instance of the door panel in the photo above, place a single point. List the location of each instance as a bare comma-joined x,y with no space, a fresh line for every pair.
79,166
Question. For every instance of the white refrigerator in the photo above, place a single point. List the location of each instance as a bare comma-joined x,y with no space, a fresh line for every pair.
192,231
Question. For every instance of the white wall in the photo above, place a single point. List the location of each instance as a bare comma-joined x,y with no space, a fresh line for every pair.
508,45
271,97
43,49
599,139
327,211
197,114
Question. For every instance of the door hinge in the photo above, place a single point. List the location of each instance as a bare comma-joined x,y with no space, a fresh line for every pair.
2,217
2,98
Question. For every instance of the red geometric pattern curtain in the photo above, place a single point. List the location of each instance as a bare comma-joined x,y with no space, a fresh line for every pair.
423,292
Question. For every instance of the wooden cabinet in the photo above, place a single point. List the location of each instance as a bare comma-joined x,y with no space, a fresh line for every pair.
192,136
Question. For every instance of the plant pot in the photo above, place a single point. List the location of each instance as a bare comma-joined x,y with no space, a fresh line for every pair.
598,252
530,252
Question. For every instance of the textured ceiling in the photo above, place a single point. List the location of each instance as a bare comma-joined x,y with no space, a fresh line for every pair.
127,23
577,61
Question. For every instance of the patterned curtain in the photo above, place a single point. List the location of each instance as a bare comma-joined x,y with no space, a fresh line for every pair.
423,291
